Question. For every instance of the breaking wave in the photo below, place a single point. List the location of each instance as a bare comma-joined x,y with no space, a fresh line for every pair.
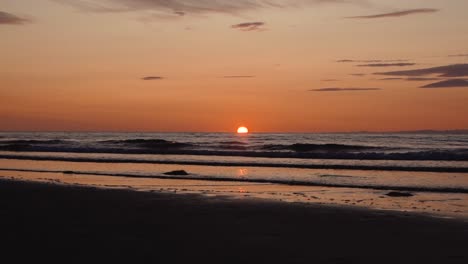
271,164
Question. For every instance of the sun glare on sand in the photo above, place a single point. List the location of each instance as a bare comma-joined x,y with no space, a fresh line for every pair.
242,130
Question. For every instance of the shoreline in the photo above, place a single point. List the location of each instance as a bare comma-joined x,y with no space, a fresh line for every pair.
163,176
433,204
90,221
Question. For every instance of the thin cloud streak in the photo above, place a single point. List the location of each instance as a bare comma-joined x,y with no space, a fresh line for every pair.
454,83
386,65
421,79
358,74
367,61
458,55
238,76
391,79
249,26
344,89
454,70
411,79
397,14
152,78
189,6
10,19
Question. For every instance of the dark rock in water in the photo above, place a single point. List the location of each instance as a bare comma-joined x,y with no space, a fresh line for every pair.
177,172
399,194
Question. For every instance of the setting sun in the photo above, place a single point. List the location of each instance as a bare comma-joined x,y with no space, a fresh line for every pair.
242,130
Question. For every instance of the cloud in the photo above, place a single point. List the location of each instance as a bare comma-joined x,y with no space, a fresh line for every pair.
367,61
239,76
352,61
10,19
412,79
249,26
401,64
180,13
448,84
458,55
330,80
152,78
397,14
344,89
189,6
391,79
454,70
421,79
358,74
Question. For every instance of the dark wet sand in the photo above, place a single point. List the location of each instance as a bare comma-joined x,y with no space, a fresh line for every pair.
81,224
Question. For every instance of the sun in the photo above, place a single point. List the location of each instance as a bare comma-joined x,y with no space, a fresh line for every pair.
242,130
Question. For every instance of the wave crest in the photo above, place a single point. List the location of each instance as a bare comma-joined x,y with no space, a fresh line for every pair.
150,143
301,147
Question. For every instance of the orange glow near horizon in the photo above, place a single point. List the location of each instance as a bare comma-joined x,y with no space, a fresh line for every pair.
242,130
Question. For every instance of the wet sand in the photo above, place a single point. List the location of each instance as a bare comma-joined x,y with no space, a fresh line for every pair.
46,221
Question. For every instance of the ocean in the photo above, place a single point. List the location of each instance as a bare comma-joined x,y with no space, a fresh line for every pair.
412,162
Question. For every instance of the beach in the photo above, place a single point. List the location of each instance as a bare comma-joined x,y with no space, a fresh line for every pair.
227,198
48,221
221,131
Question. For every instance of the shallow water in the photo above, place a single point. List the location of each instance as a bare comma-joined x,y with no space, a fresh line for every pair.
380,180
354,169
446,205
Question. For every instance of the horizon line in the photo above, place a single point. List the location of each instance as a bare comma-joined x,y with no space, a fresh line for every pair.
463,130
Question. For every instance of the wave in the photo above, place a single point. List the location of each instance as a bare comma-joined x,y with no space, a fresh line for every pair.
240,164
299,147
233,143
19,145
149,143
34,141
186,149
256,180
235,148
230,145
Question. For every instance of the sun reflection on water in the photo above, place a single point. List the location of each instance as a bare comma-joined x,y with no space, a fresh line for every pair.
242,172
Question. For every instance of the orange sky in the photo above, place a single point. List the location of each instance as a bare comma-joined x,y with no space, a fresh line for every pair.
76,65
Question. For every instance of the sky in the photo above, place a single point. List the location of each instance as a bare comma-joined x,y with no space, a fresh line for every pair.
211,66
